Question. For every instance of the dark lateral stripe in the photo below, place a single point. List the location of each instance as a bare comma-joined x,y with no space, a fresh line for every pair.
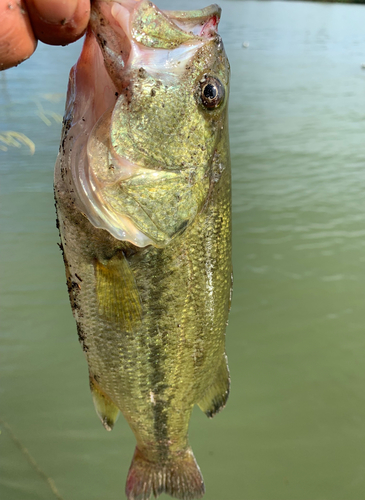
157,354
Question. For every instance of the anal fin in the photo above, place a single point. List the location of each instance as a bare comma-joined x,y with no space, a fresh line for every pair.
104,406
216,395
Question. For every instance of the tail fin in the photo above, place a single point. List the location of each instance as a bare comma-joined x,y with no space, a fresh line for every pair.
180,477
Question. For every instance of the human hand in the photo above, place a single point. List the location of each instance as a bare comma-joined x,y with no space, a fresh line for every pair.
23,22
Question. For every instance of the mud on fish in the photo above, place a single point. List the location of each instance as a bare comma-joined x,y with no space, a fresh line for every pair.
142,187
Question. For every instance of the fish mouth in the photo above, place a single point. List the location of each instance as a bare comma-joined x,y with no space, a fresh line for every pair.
135,33
123,37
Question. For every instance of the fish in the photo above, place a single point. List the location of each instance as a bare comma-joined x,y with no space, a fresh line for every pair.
143,200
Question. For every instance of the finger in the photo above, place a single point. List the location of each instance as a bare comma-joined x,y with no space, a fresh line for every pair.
59,22
17,41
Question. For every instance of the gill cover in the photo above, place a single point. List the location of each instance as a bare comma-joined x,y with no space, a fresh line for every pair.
145,137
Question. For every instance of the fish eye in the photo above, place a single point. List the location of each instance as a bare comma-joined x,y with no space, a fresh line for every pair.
212,92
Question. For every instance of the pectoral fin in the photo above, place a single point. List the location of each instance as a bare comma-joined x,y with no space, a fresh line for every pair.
216,395
118,297
105,408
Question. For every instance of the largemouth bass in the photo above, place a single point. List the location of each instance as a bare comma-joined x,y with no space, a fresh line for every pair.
142,189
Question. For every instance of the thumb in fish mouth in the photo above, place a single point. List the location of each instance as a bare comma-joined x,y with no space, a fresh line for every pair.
55,22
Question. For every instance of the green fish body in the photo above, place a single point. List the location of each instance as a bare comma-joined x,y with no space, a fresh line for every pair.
142,189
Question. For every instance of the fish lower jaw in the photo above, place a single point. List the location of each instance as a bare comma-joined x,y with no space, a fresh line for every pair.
164,62
121,12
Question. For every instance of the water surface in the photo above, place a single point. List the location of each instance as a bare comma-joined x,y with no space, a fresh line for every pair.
294,428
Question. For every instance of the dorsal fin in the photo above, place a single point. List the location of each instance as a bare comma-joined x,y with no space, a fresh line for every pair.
215,398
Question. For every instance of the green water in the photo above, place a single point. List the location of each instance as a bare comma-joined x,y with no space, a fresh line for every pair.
294,428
